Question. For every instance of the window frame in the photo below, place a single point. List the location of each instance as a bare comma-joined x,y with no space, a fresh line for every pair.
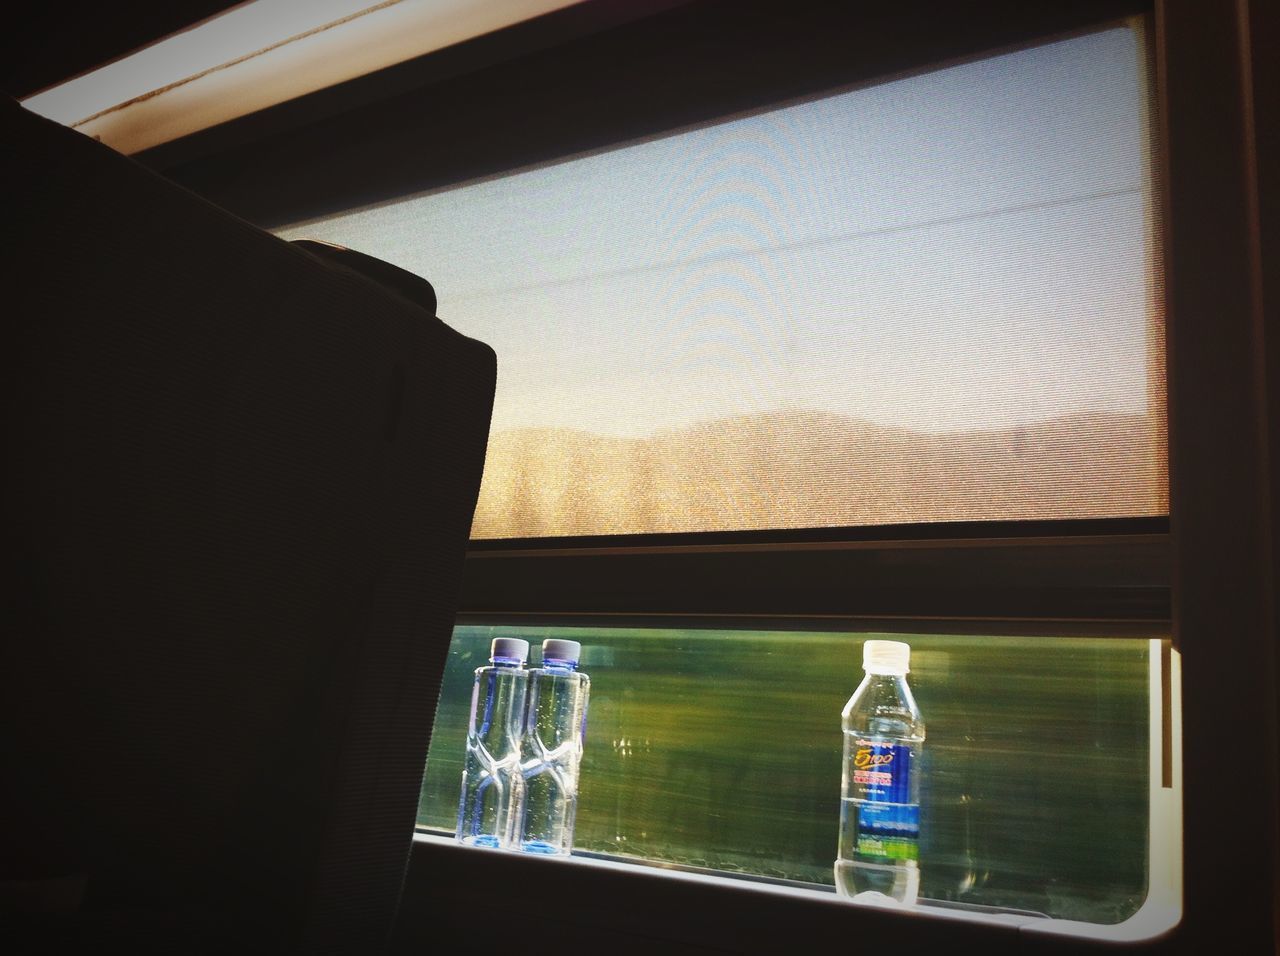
1208,571
1107,569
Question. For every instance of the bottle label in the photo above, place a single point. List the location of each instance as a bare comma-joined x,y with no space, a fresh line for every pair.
888,822
880,771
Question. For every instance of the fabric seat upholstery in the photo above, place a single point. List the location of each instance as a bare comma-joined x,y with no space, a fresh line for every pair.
245,477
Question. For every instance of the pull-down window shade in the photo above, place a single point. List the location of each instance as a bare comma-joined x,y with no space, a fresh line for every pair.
936,298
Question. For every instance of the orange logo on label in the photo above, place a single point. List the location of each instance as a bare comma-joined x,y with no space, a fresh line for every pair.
865,758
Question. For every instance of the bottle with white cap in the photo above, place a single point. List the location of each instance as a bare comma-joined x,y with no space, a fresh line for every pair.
880,782
555,730
491,781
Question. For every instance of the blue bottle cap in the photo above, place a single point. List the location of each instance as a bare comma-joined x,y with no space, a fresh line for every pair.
509,649
555,649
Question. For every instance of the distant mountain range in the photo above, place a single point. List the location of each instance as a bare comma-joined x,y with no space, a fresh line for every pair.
801,469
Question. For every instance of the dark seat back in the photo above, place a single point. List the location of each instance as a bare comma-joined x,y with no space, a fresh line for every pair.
245,476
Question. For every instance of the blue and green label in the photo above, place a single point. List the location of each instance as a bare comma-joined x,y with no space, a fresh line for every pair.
888,826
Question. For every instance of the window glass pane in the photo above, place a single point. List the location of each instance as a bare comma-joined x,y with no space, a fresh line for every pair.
722,750
934,298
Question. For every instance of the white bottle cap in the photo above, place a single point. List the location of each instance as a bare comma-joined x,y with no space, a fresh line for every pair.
509,648
554,649
886,657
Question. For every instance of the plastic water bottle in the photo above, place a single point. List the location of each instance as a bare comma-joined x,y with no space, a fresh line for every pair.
880,784
555,730
491,781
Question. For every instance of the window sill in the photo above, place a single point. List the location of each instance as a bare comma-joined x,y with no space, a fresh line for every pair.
646,900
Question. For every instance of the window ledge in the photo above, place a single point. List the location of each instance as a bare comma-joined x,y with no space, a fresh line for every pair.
594,877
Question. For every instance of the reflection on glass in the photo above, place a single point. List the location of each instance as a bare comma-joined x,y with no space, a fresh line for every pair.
722,749
936,298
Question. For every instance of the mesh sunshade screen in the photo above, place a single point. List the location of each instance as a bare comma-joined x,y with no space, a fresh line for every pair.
935,298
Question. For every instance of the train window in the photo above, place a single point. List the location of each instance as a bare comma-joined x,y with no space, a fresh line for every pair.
936,298
1045,792
918,306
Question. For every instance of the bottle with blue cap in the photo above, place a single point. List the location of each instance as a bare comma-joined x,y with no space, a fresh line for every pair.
878,856
491,780
555,730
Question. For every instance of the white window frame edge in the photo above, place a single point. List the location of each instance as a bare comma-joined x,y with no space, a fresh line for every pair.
265,73
1161,911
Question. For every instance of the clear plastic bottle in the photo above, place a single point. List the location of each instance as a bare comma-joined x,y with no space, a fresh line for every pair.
552,749
491,781
880,785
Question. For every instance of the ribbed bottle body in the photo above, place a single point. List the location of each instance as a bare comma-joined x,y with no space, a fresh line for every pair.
491,779
551,753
